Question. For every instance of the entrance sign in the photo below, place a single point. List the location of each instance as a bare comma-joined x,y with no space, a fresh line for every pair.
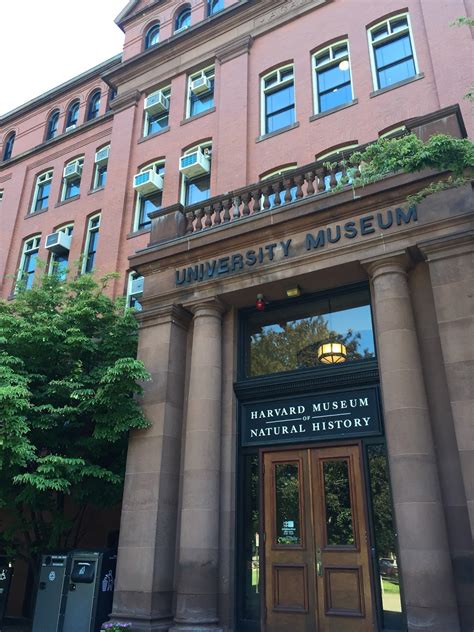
321,416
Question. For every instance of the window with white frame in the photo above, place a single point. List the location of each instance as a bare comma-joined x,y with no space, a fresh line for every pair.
29,255
183,18
100,167
42,191
134,290
332,77
58,261
157,110
271,197
72,179
278,99
148,184
391,51
200,91
91,245
195,168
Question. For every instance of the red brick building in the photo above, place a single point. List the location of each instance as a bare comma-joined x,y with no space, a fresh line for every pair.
206,99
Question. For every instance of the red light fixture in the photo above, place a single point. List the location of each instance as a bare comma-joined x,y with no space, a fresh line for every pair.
260,303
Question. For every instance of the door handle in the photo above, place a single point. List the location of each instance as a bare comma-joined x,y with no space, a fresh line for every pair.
319,563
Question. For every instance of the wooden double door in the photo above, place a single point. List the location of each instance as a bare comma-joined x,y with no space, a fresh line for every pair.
317,575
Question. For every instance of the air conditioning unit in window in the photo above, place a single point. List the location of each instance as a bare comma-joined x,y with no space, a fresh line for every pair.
73,170
147,182
194,164
59,242
157,103
200,85
137,285
102,156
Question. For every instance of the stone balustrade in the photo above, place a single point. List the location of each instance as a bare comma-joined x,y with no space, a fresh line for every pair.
313,179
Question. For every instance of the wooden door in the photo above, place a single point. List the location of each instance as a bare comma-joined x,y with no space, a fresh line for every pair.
316,551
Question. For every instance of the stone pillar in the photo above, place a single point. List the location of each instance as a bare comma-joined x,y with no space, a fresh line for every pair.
144,585
422,537
196,607
451,264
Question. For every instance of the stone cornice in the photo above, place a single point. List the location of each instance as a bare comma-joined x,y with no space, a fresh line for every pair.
163,314
234,49
125,100
452,245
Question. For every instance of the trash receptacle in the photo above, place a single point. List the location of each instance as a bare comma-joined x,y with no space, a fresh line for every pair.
51,595
6,572
90,590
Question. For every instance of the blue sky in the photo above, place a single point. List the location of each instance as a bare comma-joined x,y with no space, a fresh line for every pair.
54,42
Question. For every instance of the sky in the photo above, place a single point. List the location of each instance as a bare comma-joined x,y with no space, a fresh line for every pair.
43,44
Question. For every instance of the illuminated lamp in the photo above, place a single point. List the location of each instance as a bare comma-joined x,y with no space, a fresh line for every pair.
260,303
331,352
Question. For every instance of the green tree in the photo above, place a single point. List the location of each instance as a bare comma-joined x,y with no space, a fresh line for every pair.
68,380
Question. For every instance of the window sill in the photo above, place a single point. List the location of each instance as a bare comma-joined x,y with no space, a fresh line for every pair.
198,116
34,213
91,191
158,133
396,85
135,233
71,199
349,104
278,131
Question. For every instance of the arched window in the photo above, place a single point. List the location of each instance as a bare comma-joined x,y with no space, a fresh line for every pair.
52,126
8,149
213,6
152,36
183,19
72,115
94,105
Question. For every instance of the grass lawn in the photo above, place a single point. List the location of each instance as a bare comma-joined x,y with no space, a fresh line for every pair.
390,586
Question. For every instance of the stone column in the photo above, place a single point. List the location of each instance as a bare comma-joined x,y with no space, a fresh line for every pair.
196,607
144,584
451,264
422,537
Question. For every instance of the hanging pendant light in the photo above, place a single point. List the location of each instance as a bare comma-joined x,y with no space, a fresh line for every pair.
330,352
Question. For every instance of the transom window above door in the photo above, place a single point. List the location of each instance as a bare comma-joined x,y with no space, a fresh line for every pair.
318,332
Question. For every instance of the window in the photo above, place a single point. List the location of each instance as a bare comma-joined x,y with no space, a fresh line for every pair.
214,6
152,36
278,100
336,155
100,167
52,126
134,290
157,106
92,241
8,148
72,116
1,195
42,191
200,92
289,337
29,255
149,193
183,19
72,179
93,106
332,77
392,53
59,258
196,183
